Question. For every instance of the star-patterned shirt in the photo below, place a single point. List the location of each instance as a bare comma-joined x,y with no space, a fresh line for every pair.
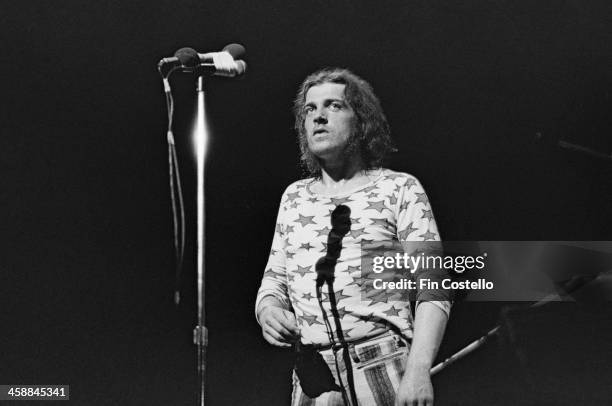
392,207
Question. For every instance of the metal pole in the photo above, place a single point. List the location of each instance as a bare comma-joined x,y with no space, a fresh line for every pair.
200,332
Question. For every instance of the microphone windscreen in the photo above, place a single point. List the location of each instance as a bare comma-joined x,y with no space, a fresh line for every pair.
237,51
187,57
241,67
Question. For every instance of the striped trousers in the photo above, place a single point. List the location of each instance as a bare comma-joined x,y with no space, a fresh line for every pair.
378,366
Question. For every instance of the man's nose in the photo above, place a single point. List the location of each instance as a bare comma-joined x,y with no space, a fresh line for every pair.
320,116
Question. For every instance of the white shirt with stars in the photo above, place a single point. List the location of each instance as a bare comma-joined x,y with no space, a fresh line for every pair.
392,207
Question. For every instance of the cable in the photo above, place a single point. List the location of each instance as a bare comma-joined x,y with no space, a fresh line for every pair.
175,190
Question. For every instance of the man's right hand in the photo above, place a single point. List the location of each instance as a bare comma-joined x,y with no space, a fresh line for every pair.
278,326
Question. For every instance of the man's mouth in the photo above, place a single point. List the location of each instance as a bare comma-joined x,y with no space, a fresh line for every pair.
319,131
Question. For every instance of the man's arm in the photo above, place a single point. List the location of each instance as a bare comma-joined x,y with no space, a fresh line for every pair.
415,387
417,231
272,306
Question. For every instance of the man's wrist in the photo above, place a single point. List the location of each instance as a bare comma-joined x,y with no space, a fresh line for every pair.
418,364
267,302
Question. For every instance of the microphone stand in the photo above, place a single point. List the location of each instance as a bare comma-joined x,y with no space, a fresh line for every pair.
187,60
200,332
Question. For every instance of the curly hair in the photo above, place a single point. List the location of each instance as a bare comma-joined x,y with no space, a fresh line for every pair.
372,136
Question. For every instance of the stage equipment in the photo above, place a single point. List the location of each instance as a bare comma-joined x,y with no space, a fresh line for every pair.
580,275
224,63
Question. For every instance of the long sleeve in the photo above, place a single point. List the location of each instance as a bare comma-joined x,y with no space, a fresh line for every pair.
274,281
415,222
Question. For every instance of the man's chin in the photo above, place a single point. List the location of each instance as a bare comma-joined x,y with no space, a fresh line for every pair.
326,154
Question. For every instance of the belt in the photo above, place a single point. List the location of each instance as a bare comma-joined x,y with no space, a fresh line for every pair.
330,349
363,351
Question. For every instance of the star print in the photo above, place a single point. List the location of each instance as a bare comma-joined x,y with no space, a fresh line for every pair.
381,324
273,252
379,222
392,312
310,320
383,223
313,200
421,198
339,201
381,297
372,195
323,232
410,182
342,312
292,196
368,282
352,269
290,278
341,296
367,317
346,333
278,228
397,188
378,206
427,215
404,205
290,255
306,246
289,229
403,235
307,296
270,273
392,200
357,232
428,235
302,270
394,176
305,220
324,247
294,205
338,294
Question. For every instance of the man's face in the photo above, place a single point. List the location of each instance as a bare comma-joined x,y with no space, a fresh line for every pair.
329,121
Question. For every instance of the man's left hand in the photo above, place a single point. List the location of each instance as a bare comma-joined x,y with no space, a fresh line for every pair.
415,389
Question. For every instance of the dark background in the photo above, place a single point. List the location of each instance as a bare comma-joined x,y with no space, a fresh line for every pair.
477,94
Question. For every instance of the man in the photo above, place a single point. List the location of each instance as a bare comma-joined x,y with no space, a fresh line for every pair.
344,136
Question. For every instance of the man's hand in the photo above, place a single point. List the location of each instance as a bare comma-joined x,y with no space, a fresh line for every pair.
278,326
415,389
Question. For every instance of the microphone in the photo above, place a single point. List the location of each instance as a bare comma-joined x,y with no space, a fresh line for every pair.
224,63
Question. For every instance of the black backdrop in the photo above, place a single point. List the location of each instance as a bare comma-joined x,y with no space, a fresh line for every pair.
477,95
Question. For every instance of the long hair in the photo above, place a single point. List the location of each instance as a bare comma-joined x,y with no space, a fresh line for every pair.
371,137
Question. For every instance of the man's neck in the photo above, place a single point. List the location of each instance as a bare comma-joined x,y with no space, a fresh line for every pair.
341,177
340,171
